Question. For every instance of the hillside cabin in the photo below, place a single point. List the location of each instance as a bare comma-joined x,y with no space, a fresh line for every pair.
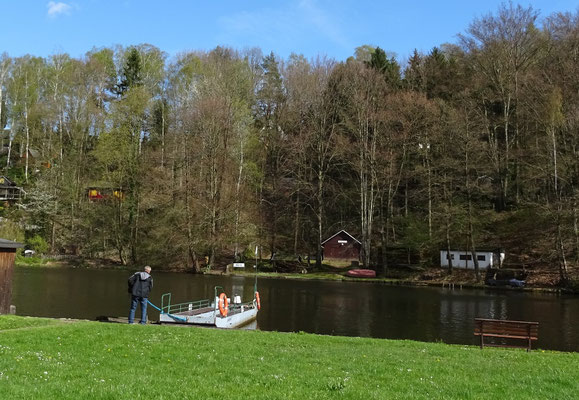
463,259
342,246
9,191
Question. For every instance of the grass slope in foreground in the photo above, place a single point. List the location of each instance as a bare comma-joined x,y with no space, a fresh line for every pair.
41,359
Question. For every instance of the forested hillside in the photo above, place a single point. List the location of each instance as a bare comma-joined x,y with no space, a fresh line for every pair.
131,155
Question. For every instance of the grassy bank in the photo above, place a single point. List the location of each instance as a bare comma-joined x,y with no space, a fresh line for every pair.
90,360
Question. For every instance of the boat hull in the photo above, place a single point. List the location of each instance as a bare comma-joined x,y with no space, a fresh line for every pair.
236,320
212,318
361,273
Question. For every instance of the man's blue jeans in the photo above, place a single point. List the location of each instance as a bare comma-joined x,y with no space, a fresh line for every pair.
134,301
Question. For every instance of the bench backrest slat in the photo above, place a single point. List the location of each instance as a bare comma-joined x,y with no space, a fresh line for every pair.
507,330
507,321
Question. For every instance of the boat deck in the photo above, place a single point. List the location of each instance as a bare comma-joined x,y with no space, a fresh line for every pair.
195,312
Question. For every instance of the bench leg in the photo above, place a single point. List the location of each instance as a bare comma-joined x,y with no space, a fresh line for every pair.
482,342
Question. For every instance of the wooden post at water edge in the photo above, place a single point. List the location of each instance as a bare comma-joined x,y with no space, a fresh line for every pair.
7,255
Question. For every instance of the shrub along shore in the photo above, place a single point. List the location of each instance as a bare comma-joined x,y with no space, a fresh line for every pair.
53,359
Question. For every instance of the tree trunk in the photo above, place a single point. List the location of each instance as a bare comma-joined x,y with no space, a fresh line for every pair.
469,200
27,130
119,238
191,253
554,153
384,221
297,219
237,203
447,231
429,182
576,230
320,218
12,133
472,247
506,161
162,134
563,269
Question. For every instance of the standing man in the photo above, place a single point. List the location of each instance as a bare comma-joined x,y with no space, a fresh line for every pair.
140,284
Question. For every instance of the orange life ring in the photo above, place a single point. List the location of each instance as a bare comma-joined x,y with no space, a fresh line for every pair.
223,304
257,300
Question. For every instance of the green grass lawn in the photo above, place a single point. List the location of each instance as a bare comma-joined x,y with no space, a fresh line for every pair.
13,322
46,359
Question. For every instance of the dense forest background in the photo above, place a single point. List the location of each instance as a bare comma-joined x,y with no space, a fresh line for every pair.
475,144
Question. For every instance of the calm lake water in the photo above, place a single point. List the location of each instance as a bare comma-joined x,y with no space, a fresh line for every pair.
330,308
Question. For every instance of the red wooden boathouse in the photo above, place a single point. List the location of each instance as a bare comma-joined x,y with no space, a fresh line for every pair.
342,246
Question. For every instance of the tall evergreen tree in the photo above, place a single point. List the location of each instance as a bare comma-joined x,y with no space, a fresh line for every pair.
131,74
387,66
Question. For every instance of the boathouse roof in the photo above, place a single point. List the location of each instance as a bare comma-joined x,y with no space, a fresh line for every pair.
9,244
337,233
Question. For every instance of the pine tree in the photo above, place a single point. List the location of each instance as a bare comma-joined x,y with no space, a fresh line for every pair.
132,69
387,66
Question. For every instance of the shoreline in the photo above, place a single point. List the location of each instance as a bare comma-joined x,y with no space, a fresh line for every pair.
412,283
447,282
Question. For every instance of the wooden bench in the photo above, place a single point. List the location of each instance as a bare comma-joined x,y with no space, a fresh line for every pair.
503,329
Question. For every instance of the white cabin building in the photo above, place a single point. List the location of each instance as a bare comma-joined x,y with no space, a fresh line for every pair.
463,259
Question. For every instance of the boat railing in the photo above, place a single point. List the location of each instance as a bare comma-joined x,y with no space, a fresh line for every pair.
168,308
233,308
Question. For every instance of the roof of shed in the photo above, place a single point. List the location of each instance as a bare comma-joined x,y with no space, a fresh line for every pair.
9,244
4,181
337,233
481,250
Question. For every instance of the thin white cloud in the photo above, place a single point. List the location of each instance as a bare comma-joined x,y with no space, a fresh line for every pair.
266,26
284,26
327,24
58,8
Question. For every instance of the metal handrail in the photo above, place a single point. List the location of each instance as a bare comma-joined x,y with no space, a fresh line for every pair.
215,290
188,306
163,302
233,308
168,308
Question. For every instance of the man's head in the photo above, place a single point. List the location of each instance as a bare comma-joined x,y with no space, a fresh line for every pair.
147,269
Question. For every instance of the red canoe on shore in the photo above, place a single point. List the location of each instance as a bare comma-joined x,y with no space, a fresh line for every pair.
361,273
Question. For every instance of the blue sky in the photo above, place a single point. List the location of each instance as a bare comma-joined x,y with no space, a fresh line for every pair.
310,27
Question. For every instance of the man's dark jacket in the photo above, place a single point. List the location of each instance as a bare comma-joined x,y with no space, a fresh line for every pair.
140,284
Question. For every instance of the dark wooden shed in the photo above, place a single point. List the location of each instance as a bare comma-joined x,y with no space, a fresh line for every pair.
342,246
9,191
7,255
